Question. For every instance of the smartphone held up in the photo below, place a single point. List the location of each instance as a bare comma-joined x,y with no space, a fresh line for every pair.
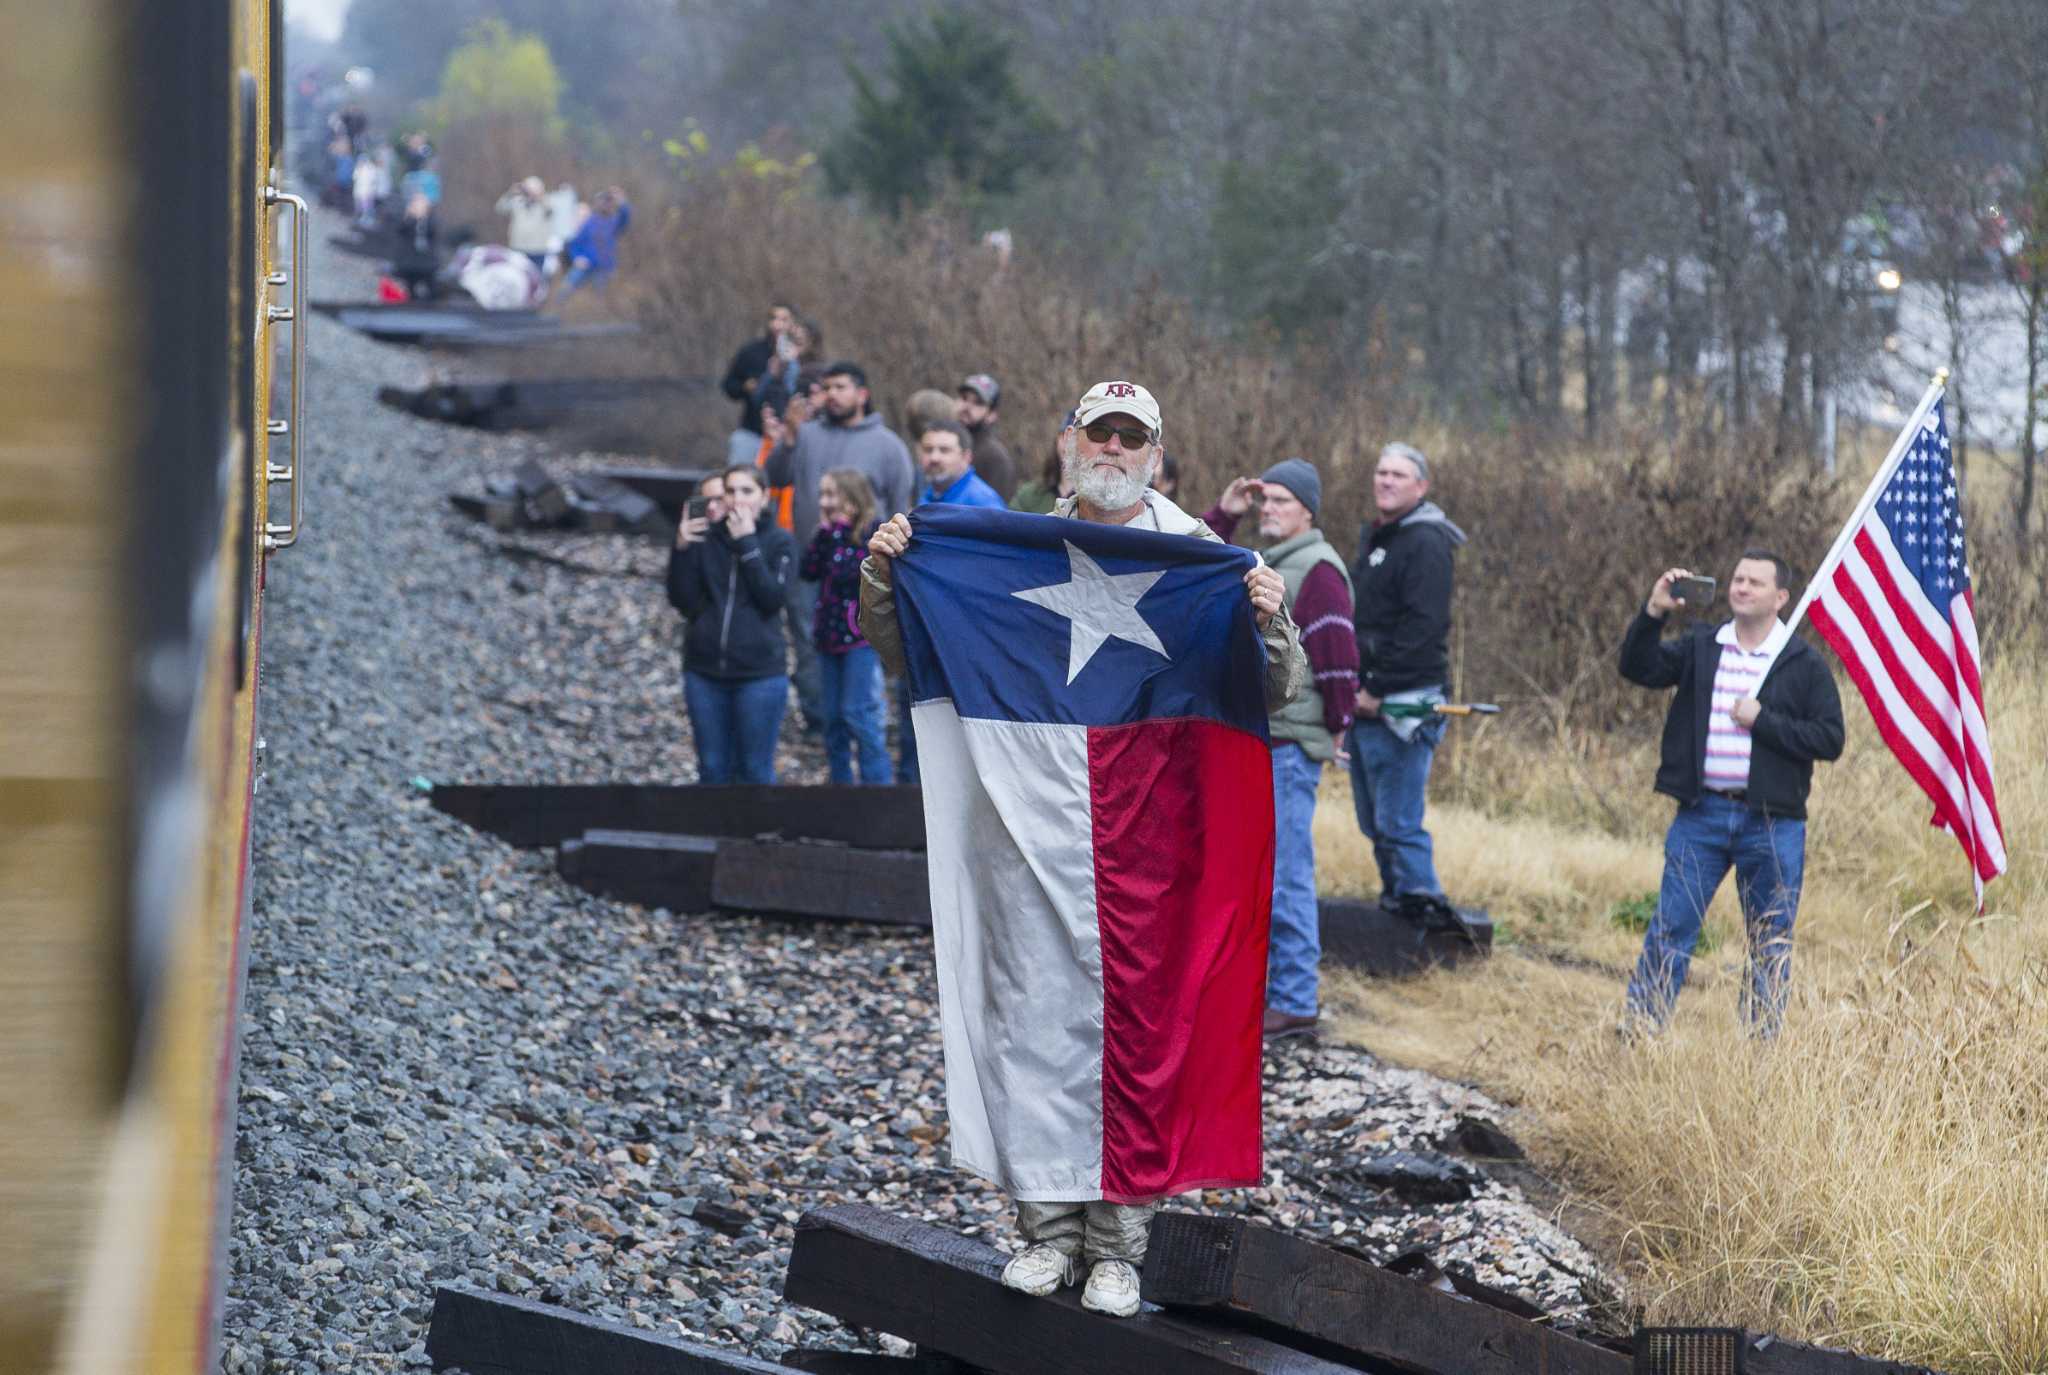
1693,591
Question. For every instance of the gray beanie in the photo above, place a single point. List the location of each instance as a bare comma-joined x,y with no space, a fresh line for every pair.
1298,476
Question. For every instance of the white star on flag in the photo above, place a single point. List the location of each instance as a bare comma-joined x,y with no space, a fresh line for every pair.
1099,605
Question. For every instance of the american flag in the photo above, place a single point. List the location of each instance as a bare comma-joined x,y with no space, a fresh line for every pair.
1897,610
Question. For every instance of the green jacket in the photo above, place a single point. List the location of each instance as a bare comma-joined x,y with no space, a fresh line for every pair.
1034,497
1301,720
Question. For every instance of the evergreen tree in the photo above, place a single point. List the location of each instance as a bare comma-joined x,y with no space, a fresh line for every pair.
954,116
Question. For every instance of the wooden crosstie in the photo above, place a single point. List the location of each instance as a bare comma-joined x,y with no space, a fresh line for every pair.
1222,1295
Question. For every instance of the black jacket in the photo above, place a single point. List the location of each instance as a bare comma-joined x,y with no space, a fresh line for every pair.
748,365
1801,720
731,592
1401,585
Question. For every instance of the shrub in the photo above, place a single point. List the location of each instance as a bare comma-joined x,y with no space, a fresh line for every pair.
1565,540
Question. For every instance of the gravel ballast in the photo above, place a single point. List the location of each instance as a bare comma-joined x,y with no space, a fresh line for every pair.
459,1069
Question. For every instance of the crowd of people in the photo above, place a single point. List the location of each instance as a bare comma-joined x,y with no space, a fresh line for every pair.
781,571
765,568
782,568
833,469
395,186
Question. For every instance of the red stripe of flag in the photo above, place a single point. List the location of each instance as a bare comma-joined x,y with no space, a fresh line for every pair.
1966,661
1963,611
1182,818
1908,688
1907,753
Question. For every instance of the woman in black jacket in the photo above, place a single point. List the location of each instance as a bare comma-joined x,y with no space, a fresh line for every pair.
727,575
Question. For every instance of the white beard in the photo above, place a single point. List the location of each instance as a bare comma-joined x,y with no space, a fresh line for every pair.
1108,489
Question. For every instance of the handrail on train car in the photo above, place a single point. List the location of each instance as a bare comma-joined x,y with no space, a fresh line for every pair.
284,536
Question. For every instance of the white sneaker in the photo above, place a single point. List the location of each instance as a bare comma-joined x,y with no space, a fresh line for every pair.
1112,1289
1040,1269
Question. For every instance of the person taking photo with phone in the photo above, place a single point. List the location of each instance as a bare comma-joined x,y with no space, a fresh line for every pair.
728,574
1754,708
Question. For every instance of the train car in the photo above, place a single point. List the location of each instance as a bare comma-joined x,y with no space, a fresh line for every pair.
149,476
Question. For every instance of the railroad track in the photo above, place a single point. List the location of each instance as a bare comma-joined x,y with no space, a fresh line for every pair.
1222,1295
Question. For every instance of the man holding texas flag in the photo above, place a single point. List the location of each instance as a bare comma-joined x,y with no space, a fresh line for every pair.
1090,692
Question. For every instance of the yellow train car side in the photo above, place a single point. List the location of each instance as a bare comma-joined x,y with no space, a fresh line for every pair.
141,286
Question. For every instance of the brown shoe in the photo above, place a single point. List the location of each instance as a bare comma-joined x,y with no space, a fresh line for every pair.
1280,1023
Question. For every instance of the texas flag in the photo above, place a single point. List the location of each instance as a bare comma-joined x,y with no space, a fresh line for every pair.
1099,816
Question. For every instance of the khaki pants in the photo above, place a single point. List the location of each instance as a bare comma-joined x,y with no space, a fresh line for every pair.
1093,1231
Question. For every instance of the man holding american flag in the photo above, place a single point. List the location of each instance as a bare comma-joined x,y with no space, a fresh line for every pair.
1893,599
1754,708
1091,691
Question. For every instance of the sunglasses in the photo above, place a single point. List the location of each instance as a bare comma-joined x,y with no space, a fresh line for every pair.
1134,437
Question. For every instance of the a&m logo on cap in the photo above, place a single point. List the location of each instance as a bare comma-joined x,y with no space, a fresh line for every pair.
1128,398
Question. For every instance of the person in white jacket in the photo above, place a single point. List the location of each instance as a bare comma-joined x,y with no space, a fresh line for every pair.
370,183
529,226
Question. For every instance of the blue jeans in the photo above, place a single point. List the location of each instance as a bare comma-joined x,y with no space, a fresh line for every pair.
1389,780
853,715
1768,855
585,273
906,735
735,722
1297,935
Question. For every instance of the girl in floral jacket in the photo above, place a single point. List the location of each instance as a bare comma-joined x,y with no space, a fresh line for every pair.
850,672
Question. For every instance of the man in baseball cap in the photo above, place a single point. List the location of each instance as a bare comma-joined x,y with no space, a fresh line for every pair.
1120,398
983,388
1110,451
979,396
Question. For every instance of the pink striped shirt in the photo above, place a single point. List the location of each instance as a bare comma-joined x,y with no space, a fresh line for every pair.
1739,674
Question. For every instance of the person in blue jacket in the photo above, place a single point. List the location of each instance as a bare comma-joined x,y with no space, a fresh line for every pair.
945,454
593,253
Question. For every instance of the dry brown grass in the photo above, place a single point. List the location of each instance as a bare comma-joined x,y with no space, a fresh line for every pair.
1879,1177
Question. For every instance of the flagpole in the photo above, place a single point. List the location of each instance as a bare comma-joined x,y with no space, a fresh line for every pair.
1885,470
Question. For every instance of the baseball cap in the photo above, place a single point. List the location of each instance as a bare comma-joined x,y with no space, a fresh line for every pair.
985,387
1119,398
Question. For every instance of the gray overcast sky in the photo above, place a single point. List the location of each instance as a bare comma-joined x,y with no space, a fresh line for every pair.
322,18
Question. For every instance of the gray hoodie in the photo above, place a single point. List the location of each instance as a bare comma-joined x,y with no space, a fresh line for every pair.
866,444
1429,513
